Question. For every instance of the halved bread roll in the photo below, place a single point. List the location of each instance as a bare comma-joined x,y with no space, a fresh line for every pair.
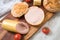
52,5
19,9
34,16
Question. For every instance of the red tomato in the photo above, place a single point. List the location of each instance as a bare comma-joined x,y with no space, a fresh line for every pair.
28,0
46,30
17,36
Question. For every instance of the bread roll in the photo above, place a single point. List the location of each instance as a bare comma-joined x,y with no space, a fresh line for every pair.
52,5
34,16
15,26
19,9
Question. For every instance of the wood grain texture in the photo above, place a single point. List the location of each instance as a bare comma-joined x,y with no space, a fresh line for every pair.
3,34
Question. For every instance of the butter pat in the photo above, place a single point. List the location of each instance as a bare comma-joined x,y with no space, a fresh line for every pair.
37,2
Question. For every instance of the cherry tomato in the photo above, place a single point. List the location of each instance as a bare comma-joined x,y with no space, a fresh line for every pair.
17,37
28,0
45,30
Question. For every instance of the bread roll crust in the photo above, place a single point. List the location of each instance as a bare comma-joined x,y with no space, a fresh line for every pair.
52,5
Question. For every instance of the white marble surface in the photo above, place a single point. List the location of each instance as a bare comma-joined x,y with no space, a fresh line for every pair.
53,24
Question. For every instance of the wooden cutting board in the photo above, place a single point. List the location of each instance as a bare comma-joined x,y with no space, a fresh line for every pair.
5,35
